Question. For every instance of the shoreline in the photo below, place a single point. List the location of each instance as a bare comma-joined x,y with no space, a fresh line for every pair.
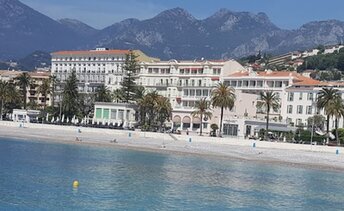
313,157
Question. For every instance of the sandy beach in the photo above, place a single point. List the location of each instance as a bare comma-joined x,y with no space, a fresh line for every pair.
315,156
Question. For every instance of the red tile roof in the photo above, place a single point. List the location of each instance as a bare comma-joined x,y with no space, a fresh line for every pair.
99,52
297,78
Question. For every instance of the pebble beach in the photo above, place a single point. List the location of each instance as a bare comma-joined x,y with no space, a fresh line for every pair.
309,156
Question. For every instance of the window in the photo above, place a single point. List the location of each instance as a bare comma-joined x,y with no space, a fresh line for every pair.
289,109
192,92
309,110
121,114
270,83
205,92
299,109
106,113
259,83
186,92
278,84
310,96
300,96
299,122
233,83
290,96
98,113
230,129
191,103
198,92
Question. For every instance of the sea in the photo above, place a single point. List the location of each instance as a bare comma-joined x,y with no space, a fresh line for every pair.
36,175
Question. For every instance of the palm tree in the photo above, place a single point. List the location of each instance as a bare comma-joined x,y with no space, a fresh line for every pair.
8,94
335,109
45,90
223,96
202,110
164,110
269,100
118,95
24,80
149,106
70,95
150,102
103,94
326,96
4,85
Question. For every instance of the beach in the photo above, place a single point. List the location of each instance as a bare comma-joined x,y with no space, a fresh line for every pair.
309,156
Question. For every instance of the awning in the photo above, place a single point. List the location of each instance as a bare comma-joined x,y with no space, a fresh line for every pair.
196,120
176,119
186,119
277,128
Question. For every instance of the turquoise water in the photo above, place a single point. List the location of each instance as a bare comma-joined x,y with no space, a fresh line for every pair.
39,176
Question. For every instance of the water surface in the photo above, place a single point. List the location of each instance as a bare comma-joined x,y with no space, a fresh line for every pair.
39,175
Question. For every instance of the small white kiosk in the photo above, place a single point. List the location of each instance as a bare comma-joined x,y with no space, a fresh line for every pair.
21,115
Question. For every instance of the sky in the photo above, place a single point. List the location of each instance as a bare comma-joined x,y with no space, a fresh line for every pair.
286,14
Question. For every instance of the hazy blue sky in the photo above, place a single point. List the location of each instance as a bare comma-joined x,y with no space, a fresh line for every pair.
288,14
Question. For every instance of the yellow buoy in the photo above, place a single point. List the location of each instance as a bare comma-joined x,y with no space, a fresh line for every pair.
75,183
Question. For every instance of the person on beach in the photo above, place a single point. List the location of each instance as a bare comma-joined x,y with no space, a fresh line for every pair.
77,139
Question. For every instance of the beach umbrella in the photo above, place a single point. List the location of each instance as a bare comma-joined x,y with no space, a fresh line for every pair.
57,119
67,119
52,119
47,117
92,121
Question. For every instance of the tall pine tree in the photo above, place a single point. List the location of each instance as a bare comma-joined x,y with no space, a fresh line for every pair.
130,68
70,102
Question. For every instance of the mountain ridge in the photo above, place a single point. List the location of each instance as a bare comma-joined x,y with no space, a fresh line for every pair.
171,34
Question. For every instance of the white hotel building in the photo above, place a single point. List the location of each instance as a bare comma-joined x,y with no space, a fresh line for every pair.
93,67
297,100
184,83
301,102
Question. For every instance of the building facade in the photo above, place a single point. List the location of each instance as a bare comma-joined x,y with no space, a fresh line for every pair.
34,99
119,114
301,102
185,83
93,68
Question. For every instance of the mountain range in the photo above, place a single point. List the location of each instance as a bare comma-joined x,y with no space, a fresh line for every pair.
173,33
